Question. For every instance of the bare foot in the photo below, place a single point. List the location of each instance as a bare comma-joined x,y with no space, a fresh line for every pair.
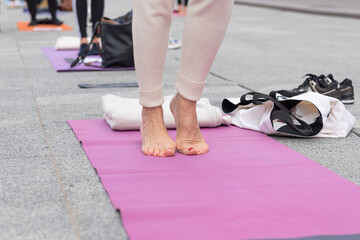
189,140
155,139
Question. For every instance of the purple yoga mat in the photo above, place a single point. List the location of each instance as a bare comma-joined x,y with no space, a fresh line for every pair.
57,60
247,187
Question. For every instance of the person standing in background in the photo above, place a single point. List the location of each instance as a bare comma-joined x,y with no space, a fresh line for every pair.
182,5
97,11
32,4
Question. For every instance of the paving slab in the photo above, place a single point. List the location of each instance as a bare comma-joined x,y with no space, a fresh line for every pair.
32,206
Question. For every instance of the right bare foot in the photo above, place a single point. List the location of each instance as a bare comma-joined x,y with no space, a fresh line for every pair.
189,140
155,138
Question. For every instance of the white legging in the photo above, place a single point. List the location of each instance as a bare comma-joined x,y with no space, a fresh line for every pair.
205,26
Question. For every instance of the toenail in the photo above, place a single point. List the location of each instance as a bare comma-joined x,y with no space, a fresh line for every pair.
190,149
163,154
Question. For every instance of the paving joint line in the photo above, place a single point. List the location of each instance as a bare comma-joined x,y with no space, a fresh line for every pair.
52,156
229,80
357,134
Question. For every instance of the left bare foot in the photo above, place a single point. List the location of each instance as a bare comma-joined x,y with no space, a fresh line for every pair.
189,140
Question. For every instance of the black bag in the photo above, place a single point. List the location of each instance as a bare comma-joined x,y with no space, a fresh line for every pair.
116,48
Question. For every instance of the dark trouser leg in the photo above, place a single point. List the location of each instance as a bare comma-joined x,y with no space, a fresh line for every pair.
52,8
97,11
32,8
81,9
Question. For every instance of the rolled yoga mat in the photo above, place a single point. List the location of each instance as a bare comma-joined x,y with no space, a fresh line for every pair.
248,186
59,59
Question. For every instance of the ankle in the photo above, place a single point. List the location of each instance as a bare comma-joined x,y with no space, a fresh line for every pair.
185,103
153,112
84,40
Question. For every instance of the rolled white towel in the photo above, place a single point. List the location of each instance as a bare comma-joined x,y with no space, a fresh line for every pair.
125,113
68,43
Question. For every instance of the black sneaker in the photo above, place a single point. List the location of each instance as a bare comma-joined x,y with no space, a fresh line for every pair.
33,22
346,89
83,48
56,21
318,84
94,50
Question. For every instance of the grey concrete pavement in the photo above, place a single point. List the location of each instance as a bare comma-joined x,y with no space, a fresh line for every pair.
48,188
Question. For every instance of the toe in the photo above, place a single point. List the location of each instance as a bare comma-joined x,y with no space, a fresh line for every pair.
170,152
202,149
190,151
205,148
143,149
157,152
150,151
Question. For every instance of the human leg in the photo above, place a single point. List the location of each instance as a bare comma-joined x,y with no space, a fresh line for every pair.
151,24
81,10
205,26
32,9
81,15
179,5
97,11
183,8
53,8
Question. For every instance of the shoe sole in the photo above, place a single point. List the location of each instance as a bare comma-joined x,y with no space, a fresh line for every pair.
351,101
347,95
174,46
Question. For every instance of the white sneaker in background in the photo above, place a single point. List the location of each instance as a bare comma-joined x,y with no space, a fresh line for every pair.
174,43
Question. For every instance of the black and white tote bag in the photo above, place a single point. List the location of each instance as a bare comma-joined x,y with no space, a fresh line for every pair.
302,114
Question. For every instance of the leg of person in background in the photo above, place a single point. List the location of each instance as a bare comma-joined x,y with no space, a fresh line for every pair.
151,25
179,5
97,12
81,10
184,4
53,8
32,9
204,29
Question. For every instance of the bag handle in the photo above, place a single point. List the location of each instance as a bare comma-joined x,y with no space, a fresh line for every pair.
81,58
283,114
285,117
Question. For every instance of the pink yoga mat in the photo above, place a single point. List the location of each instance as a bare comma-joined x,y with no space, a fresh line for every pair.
247,187
57,58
